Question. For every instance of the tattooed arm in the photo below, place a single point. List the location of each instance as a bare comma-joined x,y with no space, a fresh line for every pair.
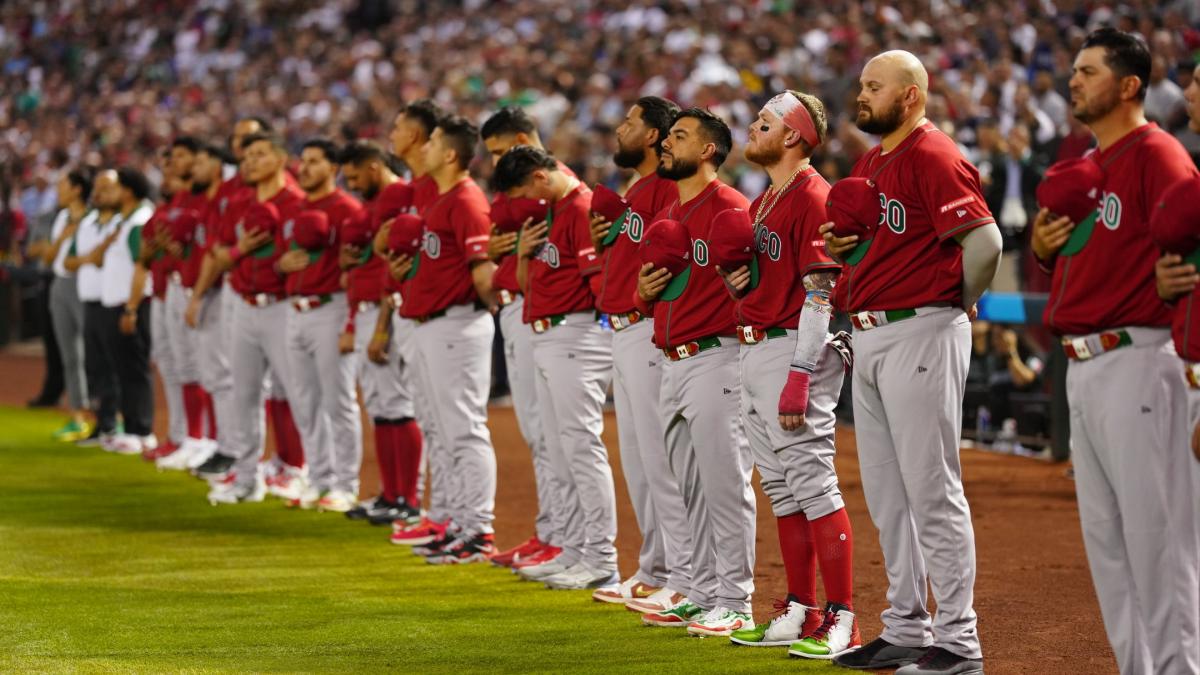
810,340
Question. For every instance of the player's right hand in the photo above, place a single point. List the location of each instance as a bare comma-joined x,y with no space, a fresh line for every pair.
599,230
501,244
293,261
737,281
652,282
345,343
191,315
252,240
839,247
1173,277
1049,234
348,256
127,324
379,243
377,349
533,235
399,266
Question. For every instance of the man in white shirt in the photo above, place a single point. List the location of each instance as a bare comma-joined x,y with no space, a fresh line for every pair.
126,331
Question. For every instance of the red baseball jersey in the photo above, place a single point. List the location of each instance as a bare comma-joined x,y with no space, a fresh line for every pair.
1110,282
196,206
505,278
705,308
323,275
424,192
457,227
929,193
254,272
558,274
158,264
232,200
649,195
789,246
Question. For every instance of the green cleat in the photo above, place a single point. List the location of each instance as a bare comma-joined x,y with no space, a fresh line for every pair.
72,431
795,622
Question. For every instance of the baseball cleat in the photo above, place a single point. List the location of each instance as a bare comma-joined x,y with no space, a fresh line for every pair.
205,448
230,491
719,622
528,547
538,557
72,431
290,485
163,449
464,549
659,601
94,439
181,458
795,622
336,501
837,635
393,511
423,532
541,571
360,510
127,444
938,661
677,616
217,464
580,576
630,589
307,499
879,653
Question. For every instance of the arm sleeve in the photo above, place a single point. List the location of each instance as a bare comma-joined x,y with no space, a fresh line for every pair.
952,194
812,329
981,257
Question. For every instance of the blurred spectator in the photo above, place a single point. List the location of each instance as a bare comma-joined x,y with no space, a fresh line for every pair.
1164,98
1189,134
1004,367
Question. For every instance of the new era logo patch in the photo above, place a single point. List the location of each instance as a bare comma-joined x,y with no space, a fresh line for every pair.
1146,409
727,390
921,369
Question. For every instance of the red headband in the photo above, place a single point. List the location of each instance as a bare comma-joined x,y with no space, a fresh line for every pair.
795,116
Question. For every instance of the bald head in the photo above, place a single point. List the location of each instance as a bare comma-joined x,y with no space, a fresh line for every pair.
895,87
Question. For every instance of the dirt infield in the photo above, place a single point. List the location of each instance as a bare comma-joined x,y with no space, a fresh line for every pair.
1038,612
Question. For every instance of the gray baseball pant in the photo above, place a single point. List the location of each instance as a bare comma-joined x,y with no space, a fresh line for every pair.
665,559
522,383
573,364
258,344
163,355
185,345
710,458
212,338
66,314
323,397
909,378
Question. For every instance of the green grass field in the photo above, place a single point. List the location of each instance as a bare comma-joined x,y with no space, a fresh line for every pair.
108,566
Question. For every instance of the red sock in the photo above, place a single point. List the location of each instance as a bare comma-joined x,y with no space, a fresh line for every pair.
799,558
211,413
287,436
834,544
408,445
269,411
386,454
193,408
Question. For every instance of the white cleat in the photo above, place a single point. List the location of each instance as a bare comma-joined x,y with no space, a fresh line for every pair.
230,491
543,570
182,458
337,501
289,484
580,576
307,499
123,444
199,452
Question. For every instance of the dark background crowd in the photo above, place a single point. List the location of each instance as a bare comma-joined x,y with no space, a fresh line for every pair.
110,82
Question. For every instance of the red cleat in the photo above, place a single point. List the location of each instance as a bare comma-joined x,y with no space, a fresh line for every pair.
519,552
419,534
536,558
151,454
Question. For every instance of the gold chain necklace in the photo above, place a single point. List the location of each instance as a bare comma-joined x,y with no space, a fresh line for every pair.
764,209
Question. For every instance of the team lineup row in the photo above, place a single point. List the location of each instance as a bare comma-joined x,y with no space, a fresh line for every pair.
706,312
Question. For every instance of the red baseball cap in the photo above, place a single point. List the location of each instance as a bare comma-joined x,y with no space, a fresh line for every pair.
404,237
1071,188
309,229
853,207
356,231
1175,222
510,213
731,239
612,207
666,244
393,200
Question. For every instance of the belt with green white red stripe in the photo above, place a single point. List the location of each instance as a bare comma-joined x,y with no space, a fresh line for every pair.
690,349
869,320
1091,346
309,302
749,335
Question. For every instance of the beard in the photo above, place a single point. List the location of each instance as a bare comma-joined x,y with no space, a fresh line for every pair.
679,169
1097,108
882,124
765,155
628,158
369,191
200,188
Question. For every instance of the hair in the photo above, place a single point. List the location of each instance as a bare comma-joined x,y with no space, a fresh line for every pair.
508,120
518,164
135,181
188,143
658,113
82,178
360,152
214,150
326,146
714,130
1125,53
461,136
425,112
263,125
816,110
275,141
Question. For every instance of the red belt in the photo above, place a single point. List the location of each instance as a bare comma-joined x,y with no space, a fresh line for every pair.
749,335
261,299
505,297
310,302
620,322
1091,346
690,349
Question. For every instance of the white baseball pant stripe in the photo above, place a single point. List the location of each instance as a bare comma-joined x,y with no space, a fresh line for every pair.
573,364
1133,485
909,378
710,458
258,345
455,356
323,397
164,360
665,558
795,467
212,338
185,347
522,383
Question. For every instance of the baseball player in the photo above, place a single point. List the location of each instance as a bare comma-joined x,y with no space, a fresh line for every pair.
1128,403
792,377
664,561
383,375
932,255
706,447
285,473
572,353
448,297
321,388
504,130
258,341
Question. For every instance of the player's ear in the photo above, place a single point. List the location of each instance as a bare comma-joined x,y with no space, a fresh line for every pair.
709,150
652,137
1130,85
792,139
